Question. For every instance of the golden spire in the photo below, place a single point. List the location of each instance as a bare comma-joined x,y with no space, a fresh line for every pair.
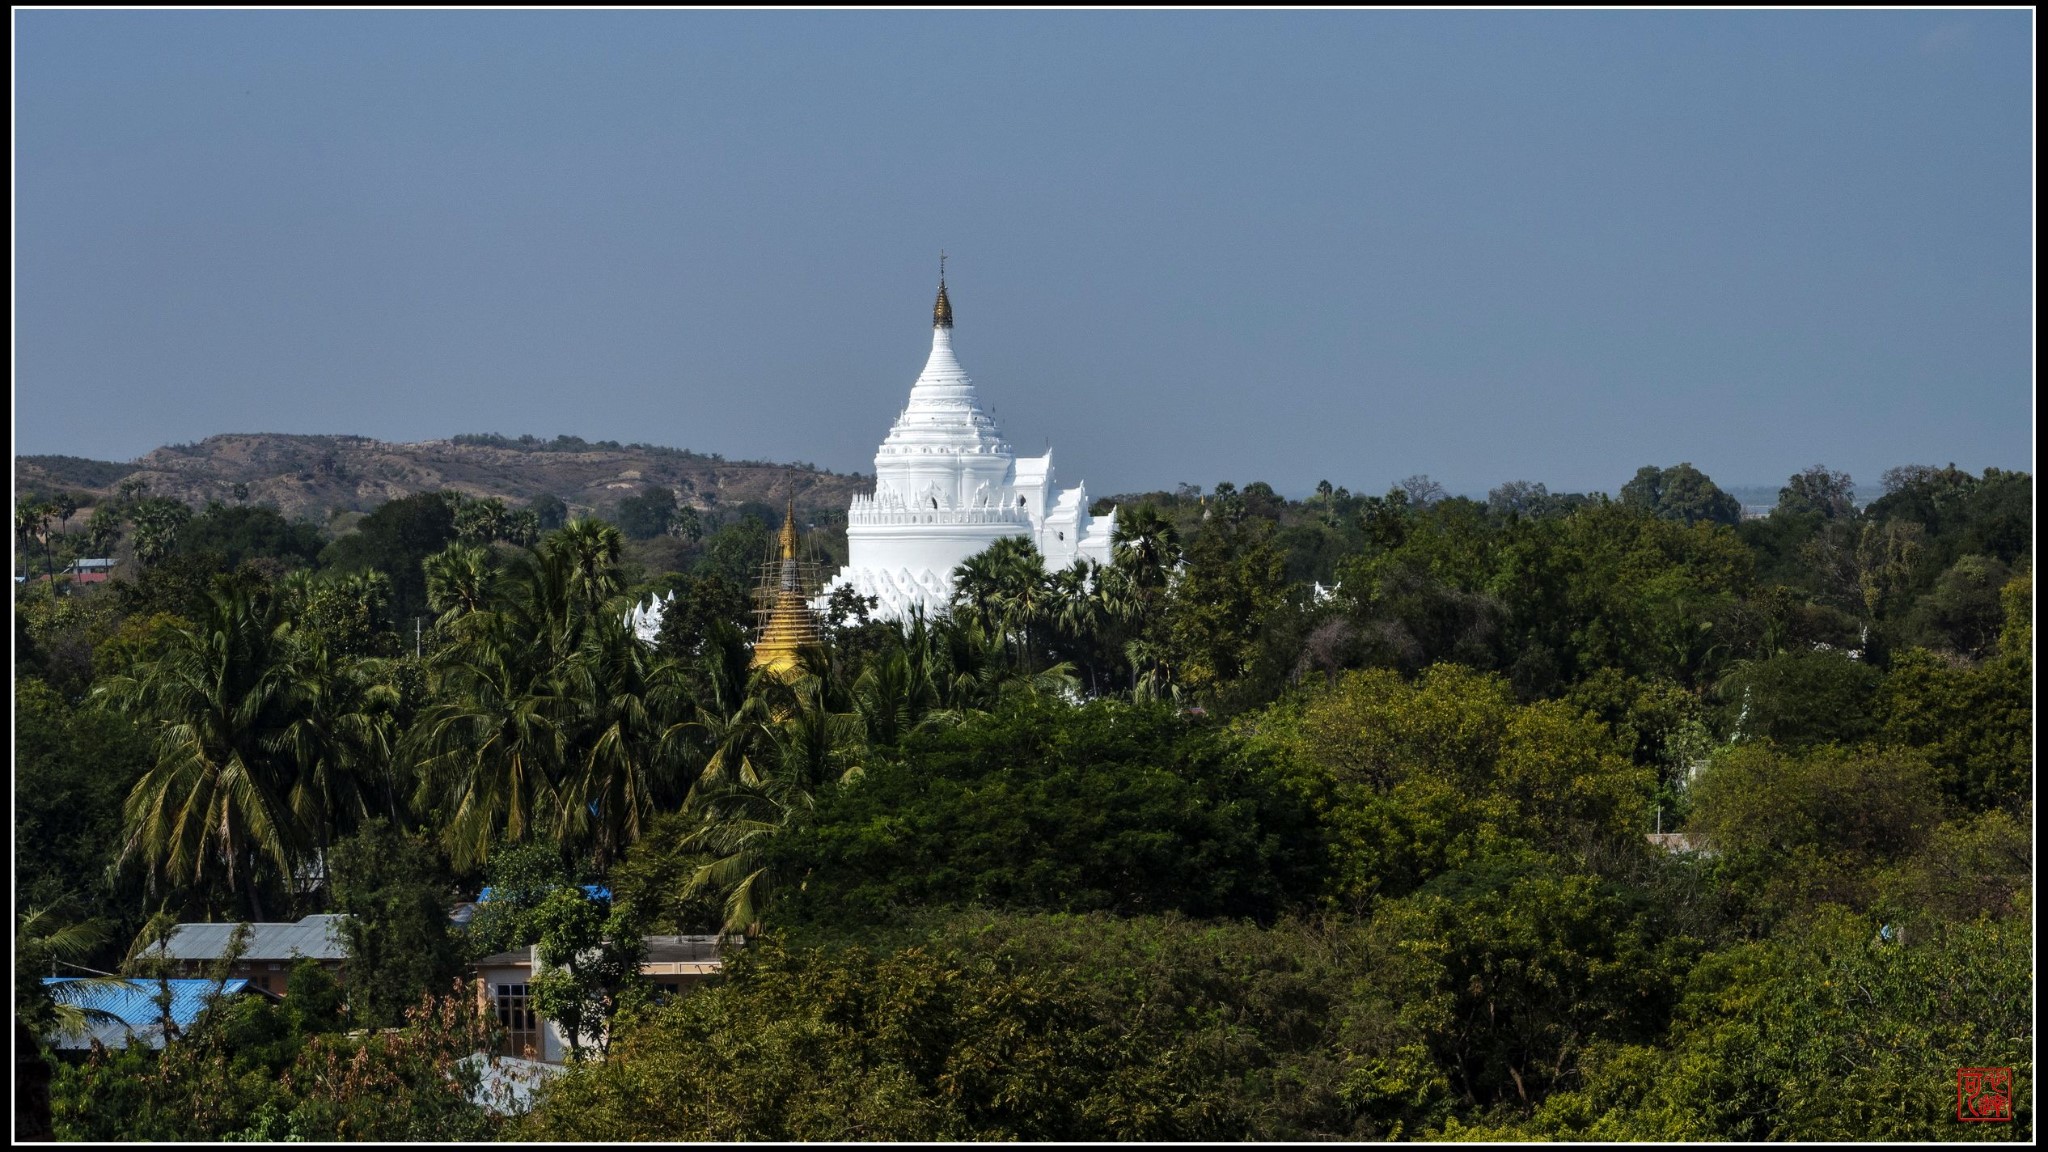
787,626
942,310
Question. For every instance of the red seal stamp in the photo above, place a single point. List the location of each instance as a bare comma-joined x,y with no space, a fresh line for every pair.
1983,1094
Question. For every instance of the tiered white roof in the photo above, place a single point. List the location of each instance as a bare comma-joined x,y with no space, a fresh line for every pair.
947,485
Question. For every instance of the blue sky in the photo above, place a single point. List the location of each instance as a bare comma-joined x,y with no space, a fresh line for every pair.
1185,247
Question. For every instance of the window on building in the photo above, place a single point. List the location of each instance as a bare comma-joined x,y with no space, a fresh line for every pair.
516,1016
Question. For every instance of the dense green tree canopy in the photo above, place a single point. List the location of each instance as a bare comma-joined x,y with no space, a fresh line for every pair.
1118,807
1681,492
1353,817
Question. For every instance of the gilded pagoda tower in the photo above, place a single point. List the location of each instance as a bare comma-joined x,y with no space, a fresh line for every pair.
781,601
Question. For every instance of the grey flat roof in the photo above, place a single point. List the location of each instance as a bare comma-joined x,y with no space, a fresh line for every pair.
315,937
676,949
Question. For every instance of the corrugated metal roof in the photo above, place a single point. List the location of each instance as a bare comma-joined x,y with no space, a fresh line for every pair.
133,1007
315,937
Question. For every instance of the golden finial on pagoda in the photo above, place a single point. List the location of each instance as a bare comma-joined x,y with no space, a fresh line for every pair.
789,530
942,310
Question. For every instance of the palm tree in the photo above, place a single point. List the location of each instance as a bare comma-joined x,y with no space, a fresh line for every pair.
977,588
102,528
899,691
591,548
746,805
32,525
732,716
490,751
1145,546
619,710
1004,591
460,582
43,939
544,722
339,739
218,703
982,669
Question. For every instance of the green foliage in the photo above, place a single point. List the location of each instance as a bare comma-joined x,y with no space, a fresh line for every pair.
395,540
263,750
418,1083
1963,613
1535,501
395,891
520,878
1682,493
238,533
1831,1033
1976,866
346,615
314,999
549,511
736,551
655,512
72,768
590,966
1233,581
1498,950
1002,1027
180,585
45,941
1975,724
1415,781
1660,724
1547,601
1797,830
1109,806
651,885
258,1071
56,637
1513,965
1802,698
701,608
1961,515
158,522
1817,492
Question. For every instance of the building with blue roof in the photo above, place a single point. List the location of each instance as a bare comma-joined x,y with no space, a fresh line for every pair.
125,1011
594,891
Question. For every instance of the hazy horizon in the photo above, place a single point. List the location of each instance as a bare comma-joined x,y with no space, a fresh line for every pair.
1185,247
1749,492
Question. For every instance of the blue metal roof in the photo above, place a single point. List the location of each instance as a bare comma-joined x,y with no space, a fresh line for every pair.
132,1005
594,891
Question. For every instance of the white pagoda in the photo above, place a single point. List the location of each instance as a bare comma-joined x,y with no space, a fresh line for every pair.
947,486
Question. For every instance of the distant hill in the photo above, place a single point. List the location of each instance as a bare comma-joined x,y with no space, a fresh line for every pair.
316,477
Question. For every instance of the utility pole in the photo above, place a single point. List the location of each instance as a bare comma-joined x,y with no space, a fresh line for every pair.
415,637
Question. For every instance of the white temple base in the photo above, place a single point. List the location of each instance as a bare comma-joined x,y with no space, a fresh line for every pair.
897,594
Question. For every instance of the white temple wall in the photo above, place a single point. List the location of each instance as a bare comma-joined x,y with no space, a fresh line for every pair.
939,548
955,479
